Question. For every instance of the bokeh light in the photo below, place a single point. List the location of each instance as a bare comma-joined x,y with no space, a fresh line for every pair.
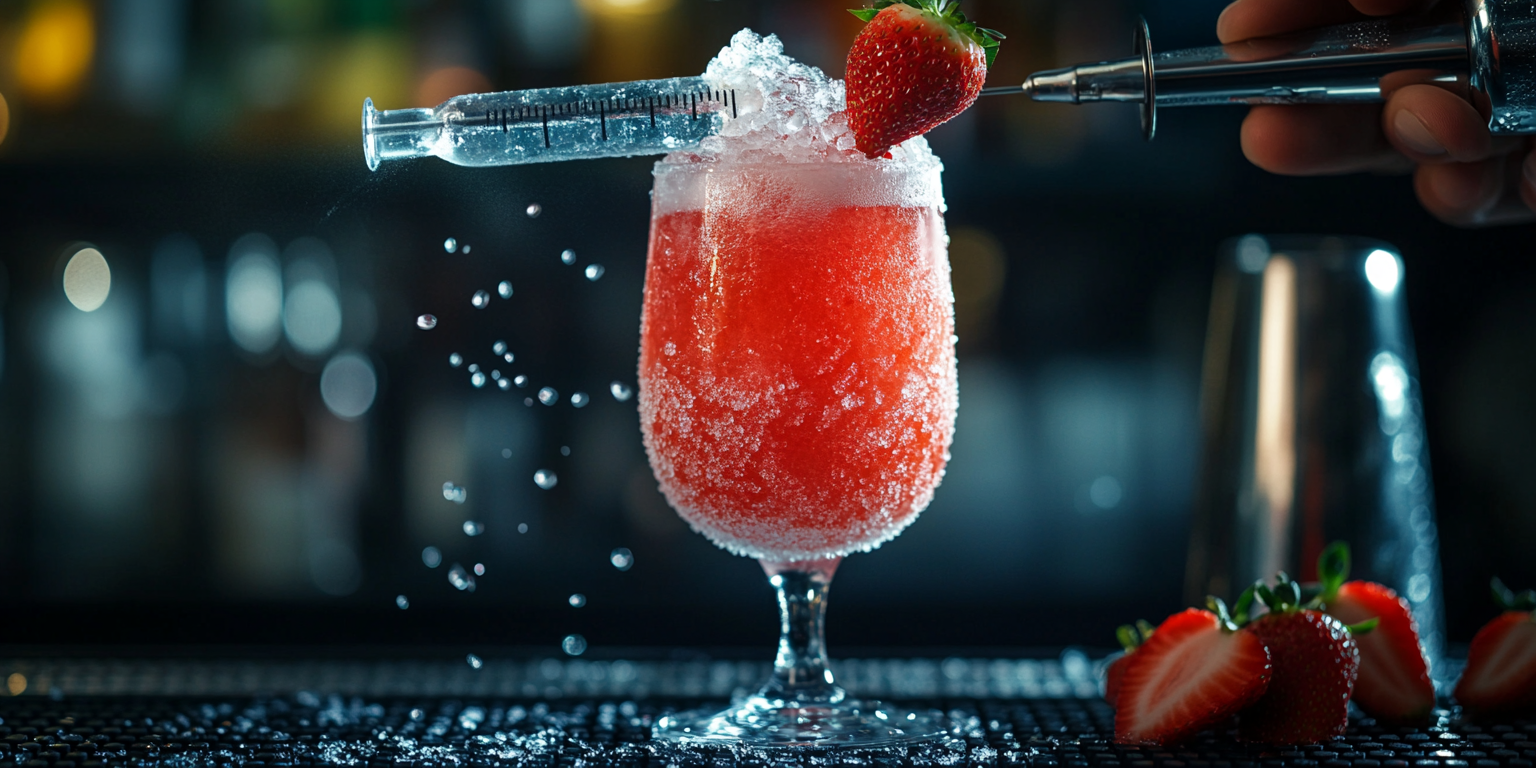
54,51
312,317
253,293
348,385
5,118
1383,271
448,82
87,279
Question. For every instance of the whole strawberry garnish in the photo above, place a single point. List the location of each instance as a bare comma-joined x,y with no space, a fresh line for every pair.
916,64
1394,683
1316,664
1195,671
1501,664
1131,638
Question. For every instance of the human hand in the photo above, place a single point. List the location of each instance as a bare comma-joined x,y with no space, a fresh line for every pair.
1463,174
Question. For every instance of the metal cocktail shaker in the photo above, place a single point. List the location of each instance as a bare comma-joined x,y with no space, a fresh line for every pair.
1313,427
1488,47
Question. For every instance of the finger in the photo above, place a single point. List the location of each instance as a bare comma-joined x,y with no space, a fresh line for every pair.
1433,125
1475,194
1312,140
1245,19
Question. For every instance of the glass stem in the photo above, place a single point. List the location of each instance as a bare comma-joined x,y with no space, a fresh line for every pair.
801,675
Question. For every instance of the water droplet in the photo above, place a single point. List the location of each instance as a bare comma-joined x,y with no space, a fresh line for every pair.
620,391
522,527
481,299
520,380
565,450
479,569
670,349
534,209
528,401
568,256
426,322
431,557
622,558
580,399
474,367
455,359
455,493
473,528
499,347
506,453
465,249
574,645
401,602
545,479
509,357
474,661
418,715
578,600
495,374
594,271
460,578
477,379
549,396
450,245
505,384
504,289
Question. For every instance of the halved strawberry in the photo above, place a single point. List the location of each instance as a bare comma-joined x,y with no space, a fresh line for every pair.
1131,638
1501,664
1195,671
915,64
1394,683
1316,664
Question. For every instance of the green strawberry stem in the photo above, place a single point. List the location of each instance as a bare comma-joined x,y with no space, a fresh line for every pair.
946,11
1132,637
1333,570
1510,600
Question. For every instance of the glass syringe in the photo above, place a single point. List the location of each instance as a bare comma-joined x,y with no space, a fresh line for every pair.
646,117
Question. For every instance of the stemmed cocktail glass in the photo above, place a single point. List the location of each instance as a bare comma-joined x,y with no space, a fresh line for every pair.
798,395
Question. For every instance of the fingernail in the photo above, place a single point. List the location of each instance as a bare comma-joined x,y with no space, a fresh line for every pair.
1413,133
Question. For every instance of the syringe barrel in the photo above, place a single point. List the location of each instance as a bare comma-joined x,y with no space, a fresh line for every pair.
647,117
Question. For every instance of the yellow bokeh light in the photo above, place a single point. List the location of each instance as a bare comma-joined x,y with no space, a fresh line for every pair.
16,683
54,51
626,7
87,280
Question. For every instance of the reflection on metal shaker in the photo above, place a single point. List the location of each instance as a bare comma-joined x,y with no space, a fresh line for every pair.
1313,425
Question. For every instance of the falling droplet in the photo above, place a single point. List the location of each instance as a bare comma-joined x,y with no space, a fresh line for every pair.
474,661
522,527
460,578
450,245
621,391
509,357
528,401
464,250
401,602
574,645
481,299
520,380
568,256
505,384
455,493
580,399
431,557
621,558
473,528
578,600
455,359
504,289
499,347
426,322
534,209
478,379
474,367
506,453
479,569
549,396
594,271
565,450
495,374
545,479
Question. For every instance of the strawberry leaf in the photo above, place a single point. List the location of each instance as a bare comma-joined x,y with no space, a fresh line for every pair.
1128,638
1146,629
1244,604
1509,600
865,14
1333,569
1364,627
1218,607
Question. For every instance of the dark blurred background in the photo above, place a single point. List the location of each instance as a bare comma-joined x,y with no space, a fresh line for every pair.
247,441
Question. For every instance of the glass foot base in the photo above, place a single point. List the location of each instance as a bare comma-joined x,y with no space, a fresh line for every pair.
761,722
